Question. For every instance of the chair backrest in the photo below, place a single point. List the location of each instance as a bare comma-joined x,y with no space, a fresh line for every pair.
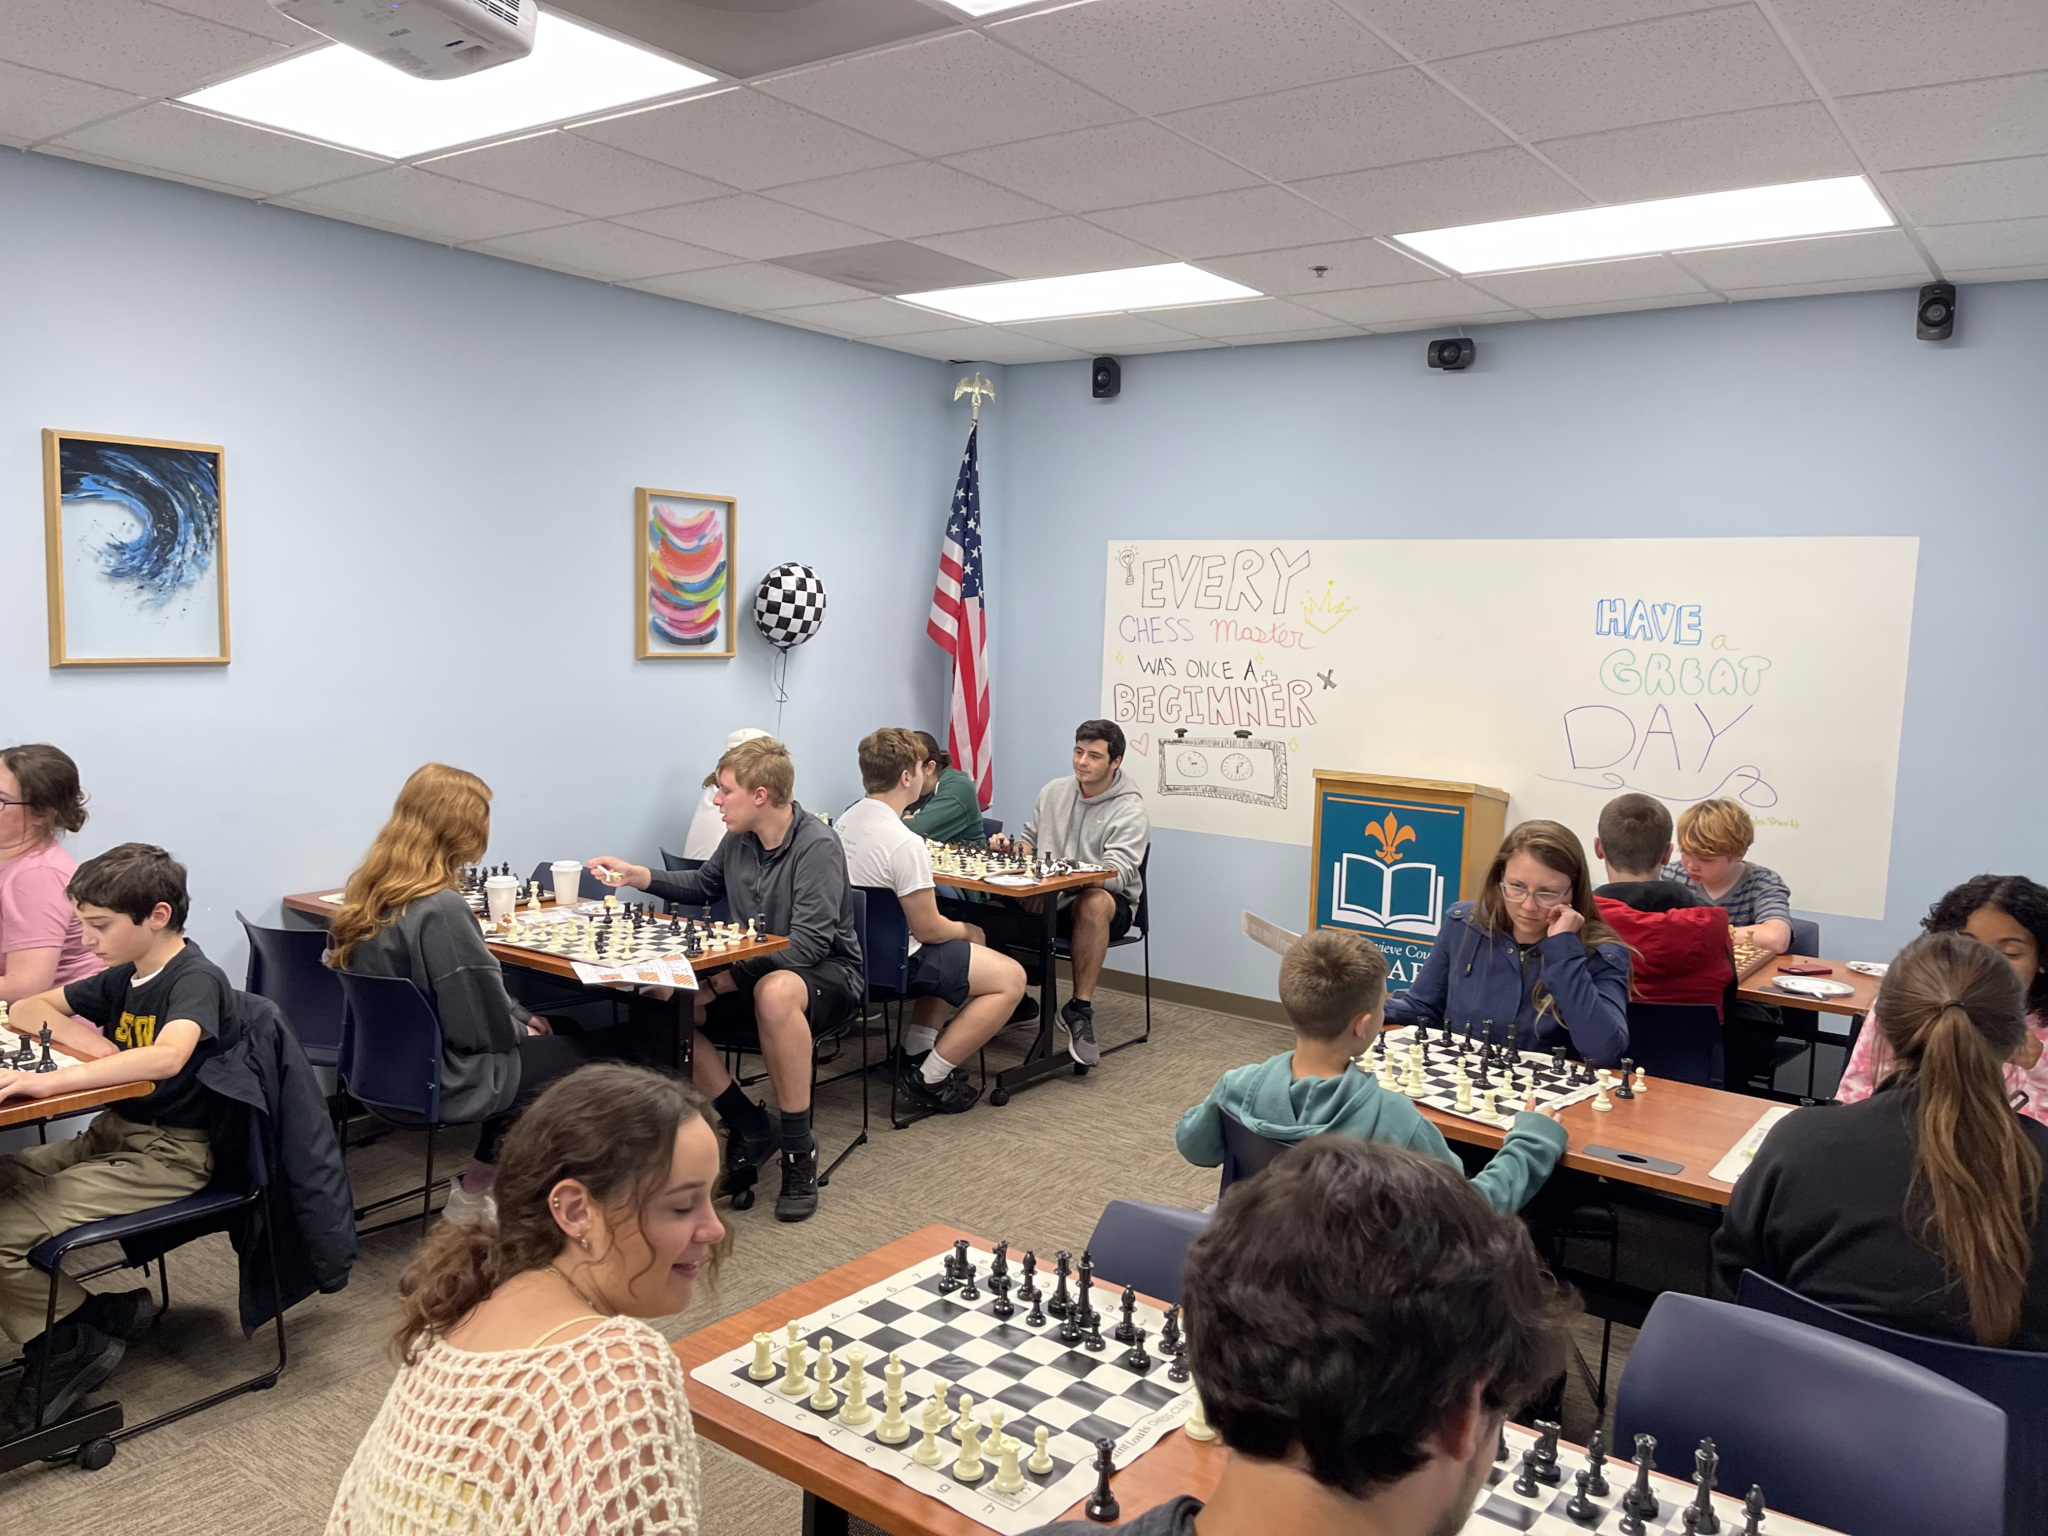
1805,935
884,938
1245,1152
285,966
391,1050
588,886
1834,1432
2014,1379
990,826
1138,1243
1679,1041
719,910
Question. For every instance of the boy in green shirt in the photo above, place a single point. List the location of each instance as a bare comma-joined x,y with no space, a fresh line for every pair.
1333,985
948,810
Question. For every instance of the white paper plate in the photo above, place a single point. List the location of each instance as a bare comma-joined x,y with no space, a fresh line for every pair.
1869,967
1812,986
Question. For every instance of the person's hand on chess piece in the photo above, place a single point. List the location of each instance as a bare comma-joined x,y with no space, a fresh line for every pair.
1565,918
1002,842
1547,1111
618,872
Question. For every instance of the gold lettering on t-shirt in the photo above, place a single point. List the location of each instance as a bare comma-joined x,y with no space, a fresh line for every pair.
135,1030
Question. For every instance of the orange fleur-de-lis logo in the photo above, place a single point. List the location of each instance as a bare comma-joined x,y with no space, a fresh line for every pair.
1390,835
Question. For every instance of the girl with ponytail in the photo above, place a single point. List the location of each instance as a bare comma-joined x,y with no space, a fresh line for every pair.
530,1395
1919,1207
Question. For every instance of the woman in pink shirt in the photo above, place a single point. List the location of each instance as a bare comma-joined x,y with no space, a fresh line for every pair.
41,944
2009,913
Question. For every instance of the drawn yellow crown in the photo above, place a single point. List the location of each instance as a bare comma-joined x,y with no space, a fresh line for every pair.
1390,835
1326,612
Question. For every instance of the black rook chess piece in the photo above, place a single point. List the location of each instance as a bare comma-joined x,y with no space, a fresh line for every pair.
1102,1504
1622,1089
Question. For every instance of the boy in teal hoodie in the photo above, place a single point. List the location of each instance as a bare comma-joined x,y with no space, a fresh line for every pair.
1333,985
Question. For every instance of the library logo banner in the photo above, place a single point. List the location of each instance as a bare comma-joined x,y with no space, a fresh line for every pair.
1388,869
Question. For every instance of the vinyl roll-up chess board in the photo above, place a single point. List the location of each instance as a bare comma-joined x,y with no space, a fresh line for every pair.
1445,1055
948,1346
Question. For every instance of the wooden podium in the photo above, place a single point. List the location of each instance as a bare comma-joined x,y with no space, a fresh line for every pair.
1391,855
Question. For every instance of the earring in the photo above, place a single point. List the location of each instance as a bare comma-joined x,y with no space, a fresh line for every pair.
585,1242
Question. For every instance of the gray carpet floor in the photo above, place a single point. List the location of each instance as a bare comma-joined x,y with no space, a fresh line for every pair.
1037,1171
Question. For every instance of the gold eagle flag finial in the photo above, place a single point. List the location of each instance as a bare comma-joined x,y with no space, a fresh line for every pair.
977,388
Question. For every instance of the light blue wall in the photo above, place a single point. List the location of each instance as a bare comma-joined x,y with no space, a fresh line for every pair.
430,455
1808,416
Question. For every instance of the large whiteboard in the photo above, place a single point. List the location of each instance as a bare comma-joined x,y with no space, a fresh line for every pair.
1565,671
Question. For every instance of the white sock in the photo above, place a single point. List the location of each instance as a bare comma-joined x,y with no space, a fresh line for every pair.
936,1068
917,1039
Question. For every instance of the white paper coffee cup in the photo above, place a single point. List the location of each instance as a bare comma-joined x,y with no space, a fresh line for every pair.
501,895
568,881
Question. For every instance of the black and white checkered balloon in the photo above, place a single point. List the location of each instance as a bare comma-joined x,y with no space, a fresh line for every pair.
789,606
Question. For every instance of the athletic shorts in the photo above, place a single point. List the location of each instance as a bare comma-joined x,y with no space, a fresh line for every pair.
1119,920
829,1006
940,970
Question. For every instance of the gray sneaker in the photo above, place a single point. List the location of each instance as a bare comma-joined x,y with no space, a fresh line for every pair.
1077,1021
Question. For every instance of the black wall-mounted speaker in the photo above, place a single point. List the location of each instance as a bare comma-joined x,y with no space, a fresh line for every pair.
1936,318
1107,381
1453,353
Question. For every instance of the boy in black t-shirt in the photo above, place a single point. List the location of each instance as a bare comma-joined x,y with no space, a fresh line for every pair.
162,1009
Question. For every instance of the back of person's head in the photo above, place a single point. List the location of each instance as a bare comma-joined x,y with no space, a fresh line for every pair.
133,879
1716,829
1328,977
49,785
609,1126
933,752
1557,848
1635,832
440,822
1951,1011
762,762
1345,1301
2021,899
886,755
1108,732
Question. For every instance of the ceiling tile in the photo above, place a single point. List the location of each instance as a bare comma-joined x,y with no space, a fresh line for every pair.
748,226
1345,125
861,317
1163,55
171,138
920,197
1999,243
1244,317
1100,333
1758,148
1437,31
742,139
1944,124
1883,45
607,251
1226,223
1107,167
1715,61
1431,194
994,345
750,286
257,16
1831,258
1625,306
1324,332
943,345
2000,274
1437,299
1809,290
1349,264
36,106
579,174
419,202
945,95
1045,248
1962,194
1598,282
126,44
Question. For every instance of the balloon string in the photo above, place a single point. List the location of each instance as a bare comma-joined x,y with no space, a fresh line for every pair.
778,675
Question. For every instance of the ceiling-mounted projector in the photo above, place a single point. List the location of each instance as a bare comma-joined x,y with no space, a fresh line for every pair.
428,39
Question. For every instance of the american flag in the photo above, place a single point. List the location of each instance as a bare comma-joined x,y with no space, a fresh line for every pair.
960,627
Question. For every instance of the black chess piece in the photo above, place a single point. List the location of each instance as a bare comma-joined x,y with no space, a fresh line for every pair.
1701,1516
1035,1318
969,1291
1061,1303
1545,1451
1557,1062
1622,1089
1092,1341
1581,1508
1525,1481
1753,1512
1169,1333
1000,1284
1178,1371
1102,1505
1126,1331
1027,1291
1596,1464
1084,1291
1500,1448
1640,1501
1070,1331
1135,1358
43,1039
1000,1264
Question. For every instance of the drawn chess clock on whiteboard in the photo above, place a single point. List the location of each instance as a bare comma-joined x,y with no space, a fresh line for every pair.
1232,767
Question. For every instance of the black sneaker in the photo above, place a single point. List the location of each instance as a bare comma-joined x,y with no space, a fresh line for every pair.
746,1153
954,1095
124,1315
1026,1012
85,1359
1077,1019
799,1198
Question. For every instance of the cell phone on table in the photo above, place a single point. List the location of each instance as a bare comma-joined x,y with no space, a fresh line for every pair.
1807,968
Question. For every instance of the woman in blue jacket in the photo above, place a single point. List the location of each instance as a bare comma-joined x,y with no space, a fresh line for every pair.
1530,961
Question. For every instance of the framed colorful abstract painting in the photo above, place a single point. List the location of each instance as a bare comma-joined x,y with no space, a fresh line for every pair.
686,554
137,551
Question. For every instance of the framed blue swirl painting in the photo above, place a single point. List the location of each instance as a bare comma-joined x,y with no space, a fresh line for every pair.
136,543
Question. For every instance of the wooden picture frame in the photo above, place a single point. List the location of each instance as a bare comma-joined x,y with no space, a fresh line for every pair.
136,551
686,551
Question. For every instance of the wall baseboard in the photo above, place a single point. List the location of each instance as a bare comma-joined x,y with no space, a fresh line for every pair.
1265,1009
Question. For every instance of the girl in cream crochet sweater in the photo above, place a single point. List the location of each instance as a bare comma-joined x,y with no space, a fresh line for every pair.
530,1395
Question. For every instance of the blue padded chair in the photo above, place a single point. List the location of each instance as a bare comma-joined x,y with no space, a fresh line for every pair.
285,966
1142,1244
391,1065
719,911
885,956
1244,1152
588,886
990,826
1678,1041
1833,1431
1140,932
148,1236
2014,1379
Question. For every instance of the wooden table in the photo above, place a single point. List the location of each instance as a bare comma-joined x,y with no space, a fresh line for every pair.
1862,996
1041,1060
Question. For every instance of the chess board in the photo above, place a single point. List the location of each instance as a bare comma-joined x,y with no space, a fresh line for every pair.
1440,1078
965,863
1749,958
945,1343
1501,1509
586,933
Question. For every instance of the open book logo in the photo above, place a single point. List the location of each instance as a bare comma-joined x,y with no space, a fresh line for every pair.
1404,899
1390,835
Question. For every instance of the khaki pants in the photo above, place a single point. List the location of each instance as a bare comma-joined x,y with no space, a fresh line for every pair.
116,1167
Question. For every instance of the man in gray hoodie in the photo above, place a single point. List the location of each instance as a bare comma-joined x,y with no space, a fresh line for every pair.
1095,817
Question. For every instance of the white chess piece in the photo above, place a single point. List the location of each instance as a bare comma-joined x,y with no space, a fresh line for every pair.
966,1417
1416,1087
793,1383
1600,1100
763,1368
968,1468
1464,1100
1009,1477
1197,1426
857,1409
894,1428
1041,1459
824,1400
1641,1085
996,1440
928,1452
1486,1109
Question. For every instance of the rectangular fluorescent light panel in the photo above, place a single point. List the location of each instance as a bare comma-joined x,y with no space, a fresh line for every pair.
1085,293
1787,212
348,98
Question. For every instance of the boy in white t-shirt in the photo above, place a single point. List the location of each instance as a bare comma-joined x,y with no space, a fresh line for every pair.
950,963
